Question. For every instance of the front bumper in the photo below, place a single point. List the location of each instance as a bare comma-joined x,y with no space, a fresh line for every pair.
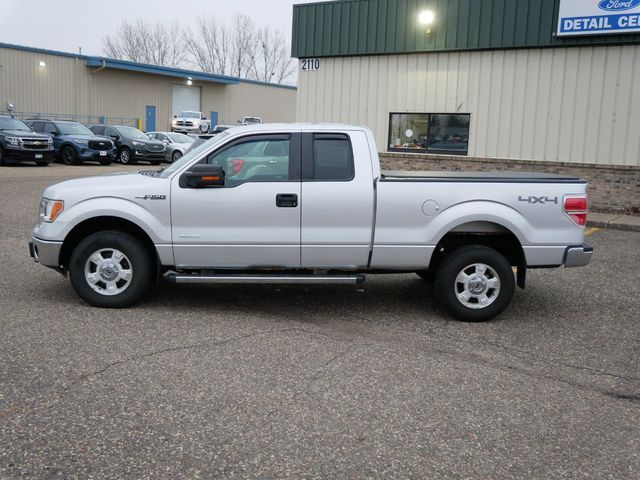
28,155
88,154
45,252
578,256
184,129
144,155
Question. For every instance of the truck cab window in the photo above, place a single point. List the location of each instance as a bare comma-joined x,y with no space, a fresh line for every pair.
332,158
256,159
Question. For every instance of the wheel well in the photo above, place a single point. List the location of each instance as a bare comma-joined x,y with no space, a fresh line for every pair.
97,224
488,234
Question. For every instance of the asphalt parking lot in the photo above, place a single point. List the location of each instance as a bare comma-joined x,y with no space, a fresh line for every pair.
322,382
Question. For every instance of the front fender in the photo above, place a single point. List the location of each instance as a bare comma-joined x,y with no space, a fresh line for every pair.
153,219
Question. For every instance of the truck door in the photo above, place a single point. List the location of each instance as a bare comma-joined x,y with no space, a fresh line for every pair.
337,200
251,221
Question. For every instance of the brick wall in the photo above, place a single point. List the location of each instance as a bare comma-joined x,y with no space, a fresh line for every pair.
611,188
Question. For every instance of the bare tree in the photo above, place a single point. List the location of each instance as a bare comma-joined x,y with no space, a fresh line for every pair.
243,45
272,63
154,43
239,49
208,46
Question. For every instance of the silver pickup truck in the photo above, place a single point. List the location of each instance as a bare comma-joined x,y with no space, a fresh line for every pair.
308,204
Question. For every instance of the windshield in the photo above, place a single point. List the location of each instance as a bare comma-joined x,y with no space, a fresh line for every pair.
130,132
180,138
73,129
193,154
189,114
13,124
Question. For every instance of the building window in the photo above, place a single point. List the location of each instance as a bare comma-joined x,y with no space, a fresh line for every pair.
444,133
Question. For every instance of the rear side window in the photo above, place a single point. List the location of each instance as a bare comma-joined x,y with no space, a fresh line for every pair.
97,129
36,126
332,158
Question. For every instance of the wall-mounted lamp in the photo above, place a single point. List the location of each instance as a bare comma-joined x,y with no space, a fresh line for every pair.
426,18
189,81
42,64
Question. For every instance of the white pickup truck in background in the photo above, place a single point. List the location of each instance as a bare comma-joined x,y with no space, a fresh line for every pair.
305,203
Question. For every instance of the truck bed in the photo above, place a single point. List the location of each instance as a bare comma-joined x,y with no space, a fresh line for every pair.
486,177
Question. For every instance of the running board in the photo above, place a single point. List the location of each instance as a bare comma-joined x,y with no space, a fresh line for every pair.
269,279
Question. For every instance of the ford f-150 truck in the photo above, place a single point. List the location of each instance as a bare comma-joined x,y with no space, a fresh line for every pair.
309,204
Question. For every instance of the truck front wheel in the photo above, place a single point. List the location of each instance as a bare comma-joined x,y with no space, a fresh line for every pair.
111,269
475,283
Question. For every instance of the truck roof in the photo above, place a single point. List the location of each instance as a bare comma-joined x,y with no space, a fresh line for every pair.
305,127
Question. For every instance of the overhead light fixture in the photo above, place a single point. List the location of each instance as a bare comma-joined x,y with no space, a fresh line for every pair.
189,81
41,63
426,17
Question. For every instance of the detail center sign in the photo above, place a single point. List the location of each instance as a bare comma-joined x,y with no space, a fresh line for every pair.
598,17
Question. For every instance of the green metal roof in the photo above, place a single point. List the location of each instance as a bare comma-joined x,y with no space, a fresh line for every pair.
374,27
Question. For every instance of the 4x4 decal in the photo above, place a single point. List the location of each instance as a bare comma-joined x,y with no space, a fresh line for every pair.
533,200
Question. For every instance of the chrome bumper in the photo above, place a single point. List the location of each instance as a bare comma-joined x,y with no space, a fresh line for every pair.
577,256
45,252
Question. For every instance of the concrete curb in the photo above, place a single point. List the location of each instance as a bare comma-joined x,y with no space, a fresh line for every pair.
617,222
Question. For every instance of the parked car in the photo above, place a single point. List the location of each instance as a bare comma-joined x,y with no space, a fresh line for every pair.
176,143
73,142
199,140
131,144
190,122
221,128
115,235
18,143
250,120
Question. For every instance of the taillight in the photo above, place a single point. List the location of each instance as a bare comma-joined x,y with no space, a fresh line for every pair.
237,165
576,207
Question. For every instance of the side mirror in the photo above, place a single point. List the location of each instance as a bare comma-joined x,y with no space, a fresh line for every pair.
175,116
165,141
115,137
239,121
202,176
204,118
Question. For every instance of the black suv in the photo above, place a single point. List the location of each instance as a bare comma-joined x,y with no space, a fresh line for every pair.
132,145
19,143
74,143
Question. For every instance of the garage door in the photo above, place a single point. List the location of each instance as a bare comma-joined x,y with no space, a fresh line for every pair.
184,97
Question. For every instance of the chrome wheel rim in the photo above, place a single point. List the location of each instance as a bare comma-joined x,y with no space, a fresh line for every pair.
108,271
477,286
124,156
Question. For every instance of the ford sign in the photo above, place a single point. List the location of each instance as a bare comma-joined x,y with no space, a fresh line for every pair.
618,5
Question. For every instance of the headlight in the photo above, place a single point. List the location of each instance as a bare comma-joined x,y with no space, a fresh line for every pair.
50,210
13,141
138,144
82,143
49,140
174,122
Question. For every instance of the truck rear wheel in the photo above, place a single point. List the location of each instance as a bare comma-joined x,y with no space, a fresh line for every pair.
475,283
111,269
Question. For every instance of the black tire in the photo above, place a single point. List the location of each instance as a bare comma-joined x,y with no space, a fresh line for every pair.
68,155
125,157
175,155
141,265
427,275
2,160
42,164
448,286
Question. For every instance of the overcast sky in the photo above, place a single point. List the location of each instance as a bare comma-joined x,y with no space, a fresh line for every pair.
69,24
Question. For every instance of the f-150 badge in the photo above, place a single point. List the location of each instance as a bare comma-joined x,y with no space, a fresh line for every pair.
153,197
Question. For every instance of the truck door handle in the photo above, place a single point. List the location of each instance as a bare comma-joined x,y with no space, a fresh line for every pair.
287,200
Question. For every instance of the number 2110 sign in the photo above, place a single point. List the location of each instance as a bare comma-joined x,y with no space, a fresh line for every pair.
310,64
